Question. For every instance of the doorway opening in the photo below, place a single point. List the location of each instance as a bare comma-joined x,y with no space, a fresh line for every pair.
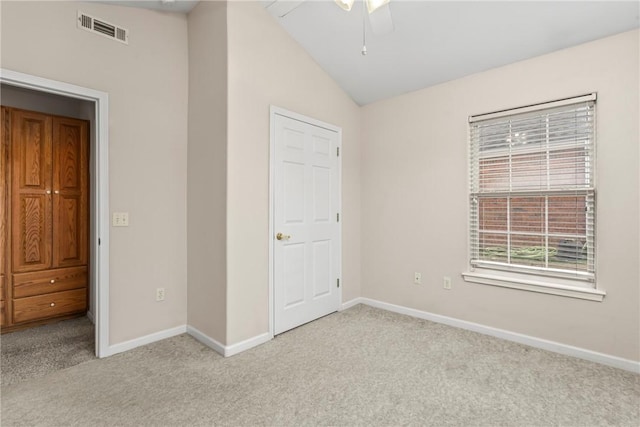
27,90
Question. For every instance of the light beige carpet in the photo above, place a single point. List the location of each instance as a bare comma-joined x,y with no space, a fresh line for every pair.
362,366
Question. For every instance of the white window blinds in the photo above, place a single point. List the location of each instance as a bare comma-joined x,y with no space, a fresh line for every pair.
532,192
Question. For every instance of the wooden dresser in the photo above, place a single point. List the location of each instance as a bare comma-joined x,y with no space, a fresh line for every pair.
44,216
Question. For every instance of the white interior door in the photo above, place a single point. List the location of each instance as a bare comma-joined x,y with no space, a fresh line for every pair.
306,252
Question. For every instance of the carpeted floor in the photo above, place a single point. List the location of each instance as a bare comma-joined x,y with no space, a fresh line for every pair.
39,351
362,366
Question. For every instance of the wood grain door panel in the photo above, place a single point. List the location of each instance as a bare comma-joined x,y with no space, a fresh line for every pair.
4,134
31,233
70,150
31,218
70,178
32,150
70,243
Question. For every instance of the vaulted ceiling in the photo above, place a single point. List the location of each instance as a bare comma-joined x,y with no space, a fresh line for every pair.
433,41
437,41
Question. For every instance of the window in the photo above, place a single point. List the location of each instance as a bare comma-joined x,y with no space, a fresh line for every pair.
532,195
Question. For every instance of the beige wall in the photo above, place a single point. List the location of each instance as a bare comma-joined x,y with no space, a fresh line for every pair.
147,85
207,169
267,67
415,197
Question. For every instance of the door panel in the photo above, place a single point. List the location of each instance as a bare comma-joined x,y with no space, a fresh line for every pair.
68,148
321,194
70,213
294,274
321,268
68,243
4,133
306,259
32,212
293,194
31,191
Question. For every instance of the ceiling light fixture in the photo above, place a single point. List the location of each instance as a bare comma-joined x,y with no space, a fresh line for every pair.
372,5
381,22
364,31
345,4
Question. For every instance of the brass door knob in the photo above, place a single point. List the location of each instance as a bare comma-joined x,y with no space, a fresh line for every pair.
281,236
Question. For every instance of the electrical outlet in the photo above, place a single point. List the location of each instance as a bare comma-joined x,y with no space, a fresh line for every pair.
417,278
121,219
160,294
447,283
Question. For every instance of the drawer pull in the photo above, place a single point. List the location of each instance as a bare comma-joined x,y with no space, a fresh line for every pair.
53,281
53,304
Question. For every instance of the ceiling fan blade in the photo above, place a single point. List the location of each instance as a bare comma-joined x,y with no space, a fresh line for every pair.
345,4
381,21
282,8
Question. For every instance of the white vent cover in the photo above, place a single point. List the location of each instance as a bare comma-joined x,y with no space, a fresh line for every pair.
103,28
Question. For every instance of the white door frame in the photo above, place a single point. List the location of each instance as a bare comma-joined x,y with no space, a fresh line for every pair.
100,216
273,112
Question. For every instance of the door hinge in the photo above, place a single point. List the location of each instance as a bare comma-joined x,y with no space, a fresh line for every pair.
338,217
338,151
337,283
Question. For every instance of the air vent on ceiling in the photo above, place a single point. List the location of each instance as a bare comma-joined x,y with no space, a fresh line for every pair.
103,28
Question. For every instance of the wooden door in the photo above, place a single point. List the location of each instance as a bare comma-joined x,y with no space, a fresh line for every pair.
4,134
70,176
31,188
307,244
46,224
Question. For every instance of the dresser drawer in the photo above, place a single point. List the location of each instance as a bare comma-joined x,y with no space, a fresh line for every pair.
49,305
2,280
2,322
48,281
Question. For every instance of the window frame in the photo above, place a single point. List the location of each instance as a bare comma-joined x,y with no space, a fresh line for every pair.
576,284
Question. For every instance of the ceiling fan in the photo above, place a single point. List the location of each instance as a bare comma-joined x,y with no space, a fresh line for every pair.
379,14
378,11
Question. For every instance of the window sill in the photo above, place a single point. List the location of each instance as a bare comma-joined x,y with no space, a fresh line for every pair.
535,286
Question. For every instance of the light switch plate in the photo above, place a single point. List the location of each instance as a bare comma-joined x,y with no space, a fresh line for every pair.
121,219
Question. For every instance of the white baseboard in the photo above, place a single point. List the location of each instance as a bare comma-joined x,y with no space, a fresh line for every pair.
556,347
228,350
350,303
241,346
206,340
224,350
91,318
147,339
